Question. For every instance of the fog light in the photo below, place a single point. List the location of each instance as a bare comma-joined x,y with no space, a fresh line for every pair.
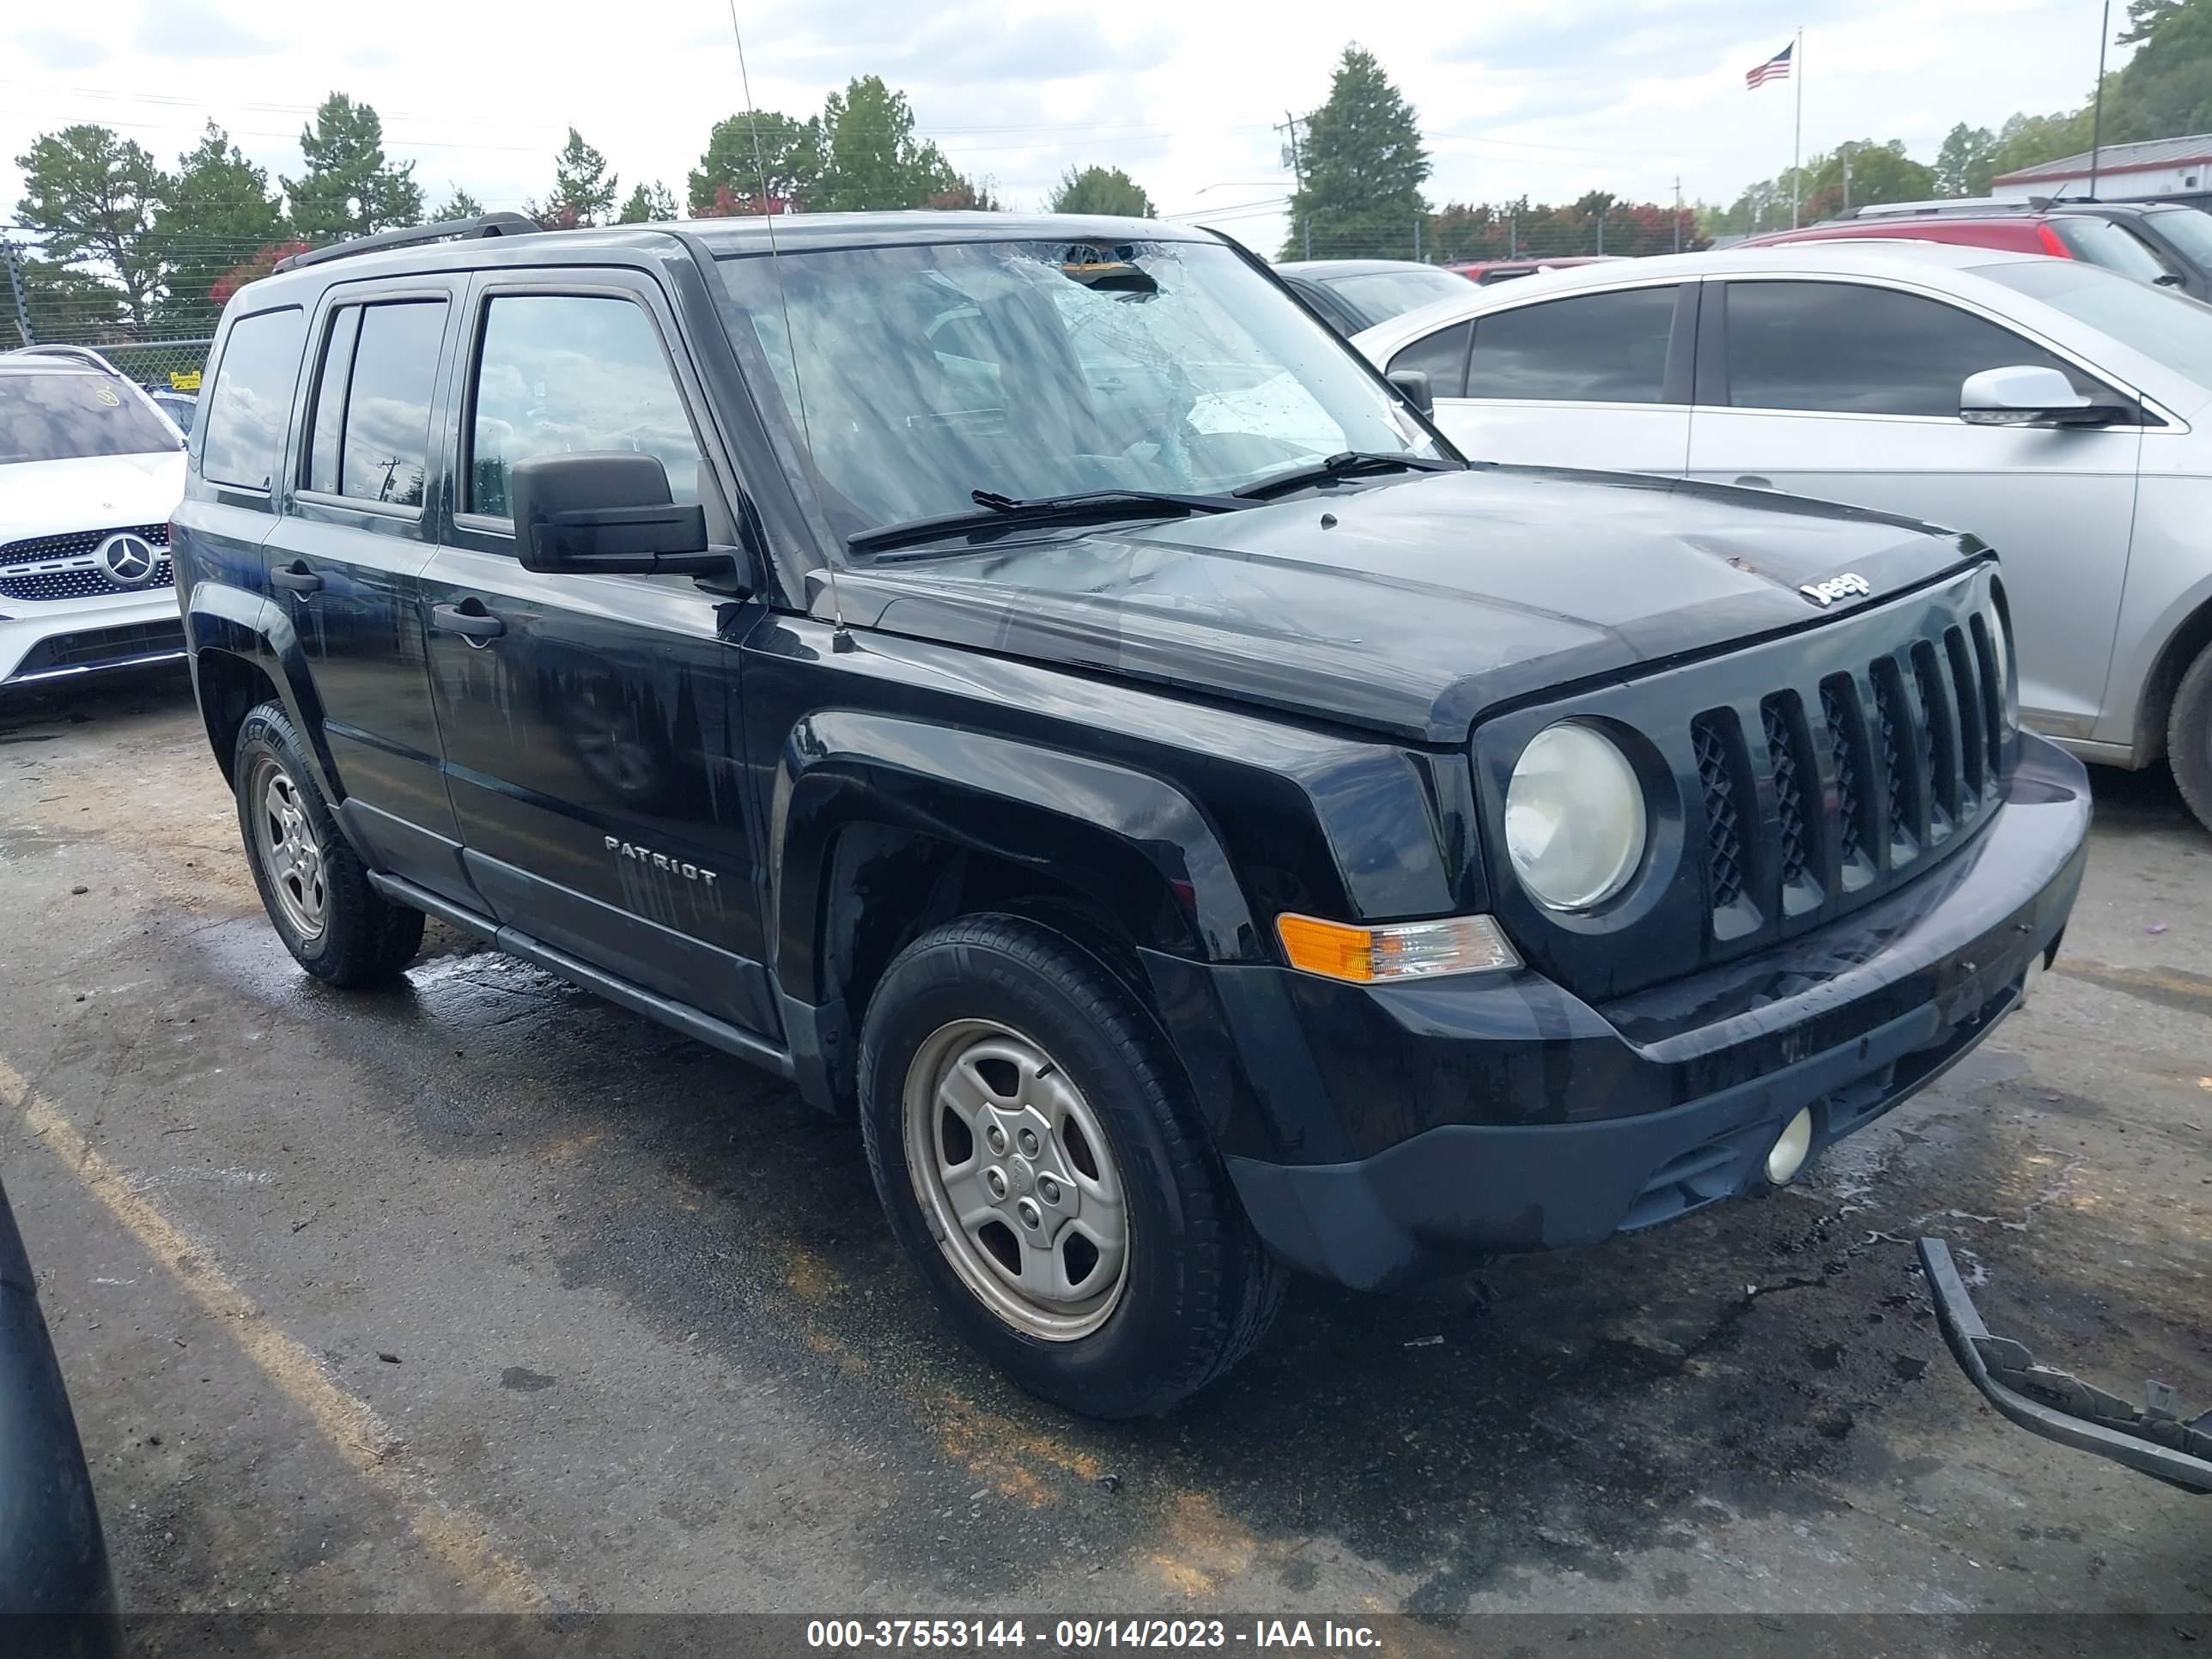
1788,1155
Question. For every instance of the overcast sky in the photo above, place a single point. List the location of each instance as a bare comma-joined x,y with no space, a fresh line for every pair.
1547,97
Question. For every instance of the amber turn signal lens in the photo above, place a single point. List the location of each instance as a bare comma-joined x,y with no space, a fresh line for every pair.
1393,951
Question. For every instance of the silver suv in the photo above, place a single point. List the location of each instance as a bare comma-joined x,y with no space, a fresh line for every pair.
2061,413
90,472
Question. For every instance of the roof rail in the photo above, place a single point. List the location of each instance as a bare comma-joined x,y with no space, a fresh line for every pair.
1974,205
487,224
82,354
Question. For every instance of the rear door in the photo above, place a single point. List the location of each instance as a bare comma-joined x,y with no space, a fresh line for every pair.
1849,392
345,561
1592,379
591,739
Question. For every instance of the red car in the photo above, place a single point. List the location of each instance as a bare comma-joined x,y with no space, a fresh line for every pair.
2151,241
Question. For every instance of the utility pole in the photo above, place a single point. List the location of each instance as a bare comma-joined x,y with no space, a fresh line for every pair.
1417,238
1798,141
2097,121
1601,232
1678,213
1290,130
15,286
1844,150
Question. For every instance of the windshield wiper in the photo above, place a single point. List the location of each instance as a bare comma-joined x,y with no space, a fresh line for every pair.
1088,507
1349,463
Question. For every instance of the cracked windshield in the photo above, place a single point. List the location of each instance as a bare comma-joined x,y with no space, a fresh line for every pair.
1042,368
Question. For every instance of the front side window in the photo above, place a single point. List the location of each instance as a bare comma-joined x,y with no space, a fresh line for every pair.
924,374
1594,347
2188,228
61,417
384,449
2162,324
1440,356
566,373
1382,294
1846,348
250,402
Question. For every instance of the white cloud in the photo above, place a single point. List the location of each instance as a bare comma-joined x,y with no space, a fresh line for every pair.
1549,97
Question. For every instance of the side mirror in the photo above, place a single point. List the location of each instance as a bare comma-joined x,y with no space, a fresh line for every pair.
1413,386
608,514
2027,395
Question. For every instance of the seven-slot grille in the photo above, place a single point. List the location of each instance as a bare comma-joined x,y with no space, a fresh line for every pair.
1862,779
64,568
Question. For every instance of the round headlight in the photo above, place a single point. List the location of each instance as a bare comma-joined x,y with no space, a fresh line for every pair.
1574,817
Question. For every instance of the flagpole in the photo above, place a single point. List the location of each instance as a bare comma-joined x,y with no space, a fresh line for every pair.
1797,143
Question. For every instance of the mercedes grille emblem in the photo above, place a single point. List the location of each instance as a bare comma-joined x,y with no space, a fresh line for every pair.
128,561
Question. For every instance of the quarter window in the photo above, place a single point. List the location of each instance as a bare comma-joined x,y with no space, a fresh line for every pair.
1598,347
1442,356
1847,348
566,373
250,405
330,401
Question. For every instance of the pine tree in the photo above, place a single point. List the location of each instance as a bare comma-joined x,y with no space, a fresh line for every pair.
93,198
459,205
583,190
219,209
349,189
1362,167
729,172
648,205
870,157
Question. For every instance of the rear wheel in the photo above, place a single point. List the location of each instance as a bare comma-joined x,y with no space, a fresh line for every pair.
1034,1142
312,884
2189,737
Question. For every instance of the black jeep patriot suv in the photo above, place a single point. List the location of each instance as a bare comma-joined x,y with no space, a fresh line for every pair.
1026,682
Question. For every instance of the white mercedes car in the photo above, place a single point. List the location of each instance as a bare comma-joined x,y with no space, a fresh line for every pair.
2061,412
90,472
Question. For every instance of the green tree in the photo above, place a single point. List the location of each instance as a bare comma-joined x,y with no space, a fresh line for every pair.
1962,166
583,190
730,172
459,205
1362,169
94,197
2144,16
1105,190
870,157
2027,141
2166,87
349,188
1878,173
648,205
219,208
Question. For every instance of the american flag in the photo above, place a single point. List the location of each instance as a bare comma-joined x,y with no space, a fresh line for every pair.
1776,67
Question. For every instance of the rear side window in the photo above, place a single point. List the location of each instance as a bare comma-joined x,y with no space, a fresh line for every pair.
1598,347
1442,356
251,403
571,373
2101,242
1850,350
371,437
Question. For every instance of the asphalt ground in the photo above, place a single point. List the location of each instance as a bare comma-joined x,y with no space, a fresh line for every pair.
480,1293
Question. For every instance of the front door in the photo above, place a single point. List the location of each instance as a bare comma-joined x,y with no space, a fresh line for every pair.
1849,393
1581,380
343,559
592,743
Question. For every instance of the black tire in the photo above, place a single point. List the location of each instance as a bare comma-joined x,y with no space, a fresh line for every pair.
2189,737
364,938
1199,1291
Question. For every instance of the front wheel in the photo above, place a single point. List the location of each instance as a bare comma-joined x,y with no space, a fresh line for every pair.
312,884
2189,737
1034,1145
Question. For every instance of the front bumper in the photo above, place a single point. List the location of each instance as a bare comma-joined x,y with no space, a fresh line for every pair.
1516,1116
40,642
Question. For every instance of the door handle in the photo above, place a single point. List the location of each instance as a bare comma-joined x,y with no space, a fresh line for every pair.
1753,481
468,619
297,578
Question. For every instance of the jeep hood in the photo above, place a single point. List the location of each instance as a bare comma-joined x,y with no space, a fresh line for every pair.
90,492
1409,607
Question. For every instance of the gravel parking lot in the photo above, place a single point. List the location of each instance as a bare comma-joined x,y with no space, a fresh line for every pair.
480,1293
